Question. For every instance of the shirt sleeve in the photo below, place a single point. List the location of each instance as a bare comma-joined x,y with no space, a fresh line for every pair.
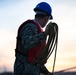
30,36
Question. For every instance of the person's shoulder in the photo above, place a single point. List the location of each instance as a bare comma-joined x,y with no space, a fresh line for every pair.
31,25
28,25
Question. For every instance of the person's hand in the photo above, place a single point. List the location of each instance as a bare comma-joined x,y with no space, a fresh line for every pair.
48,30
49,73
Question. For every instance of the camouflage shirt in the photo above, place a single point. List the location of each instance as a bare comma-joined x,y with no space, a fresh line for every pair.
30,38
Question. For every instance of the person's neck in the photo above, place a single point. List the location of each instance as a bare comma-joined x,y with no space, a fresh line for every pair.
39,21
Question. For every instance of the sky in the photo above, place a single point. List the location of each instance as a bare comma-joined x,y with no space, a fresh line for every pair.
14,12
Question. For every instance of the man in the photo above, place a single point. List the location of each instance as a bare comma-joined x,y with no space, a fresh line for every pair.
29,39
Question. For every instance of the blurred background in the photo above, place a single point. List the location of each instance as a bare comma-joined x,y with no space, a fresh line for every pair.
14,12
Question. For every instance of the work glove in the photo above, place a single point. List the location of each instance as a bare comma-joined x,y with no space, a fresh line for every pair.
50,28
44,71
47,30
49,73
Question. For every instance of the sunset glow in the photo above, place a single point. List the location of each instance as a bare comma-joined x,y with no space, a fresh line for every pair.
13,13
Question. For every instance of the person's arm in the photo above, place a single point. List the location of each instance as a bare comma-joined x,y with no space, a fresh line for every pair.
30,36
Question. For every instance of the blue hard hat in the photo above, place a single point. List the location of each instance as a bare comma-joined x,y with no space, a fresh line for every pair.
44,7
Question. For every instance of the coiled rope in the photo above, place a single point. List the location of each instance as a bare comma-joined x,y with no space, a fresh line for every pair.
51,45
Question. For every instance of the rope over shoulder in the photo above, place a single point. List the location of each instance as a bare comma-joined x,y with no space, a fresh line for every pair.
51,45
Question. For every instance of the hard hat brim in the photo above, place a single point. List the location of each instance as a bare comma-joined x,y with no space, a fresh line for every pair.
35,9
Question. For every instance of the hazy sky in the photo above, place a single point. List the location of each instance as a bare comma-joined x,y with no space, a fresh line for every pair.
14,12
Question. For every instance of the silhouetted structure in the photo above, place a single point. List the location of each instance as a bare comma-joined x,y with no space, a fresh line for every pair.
65,73
56,73
7,73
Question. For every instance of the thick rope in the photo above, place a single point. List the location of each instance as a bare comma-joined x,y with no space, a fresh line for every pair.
51,45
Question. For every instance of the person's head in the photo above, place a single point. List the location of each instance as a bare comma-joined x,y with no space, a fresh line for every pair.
43,13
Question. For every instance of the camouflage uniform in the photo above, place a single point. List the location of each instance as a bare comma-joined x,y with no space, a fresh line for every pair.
30,38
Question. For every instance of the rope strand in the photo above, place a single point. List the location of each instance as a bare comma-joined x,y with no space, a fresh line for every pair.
51,45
